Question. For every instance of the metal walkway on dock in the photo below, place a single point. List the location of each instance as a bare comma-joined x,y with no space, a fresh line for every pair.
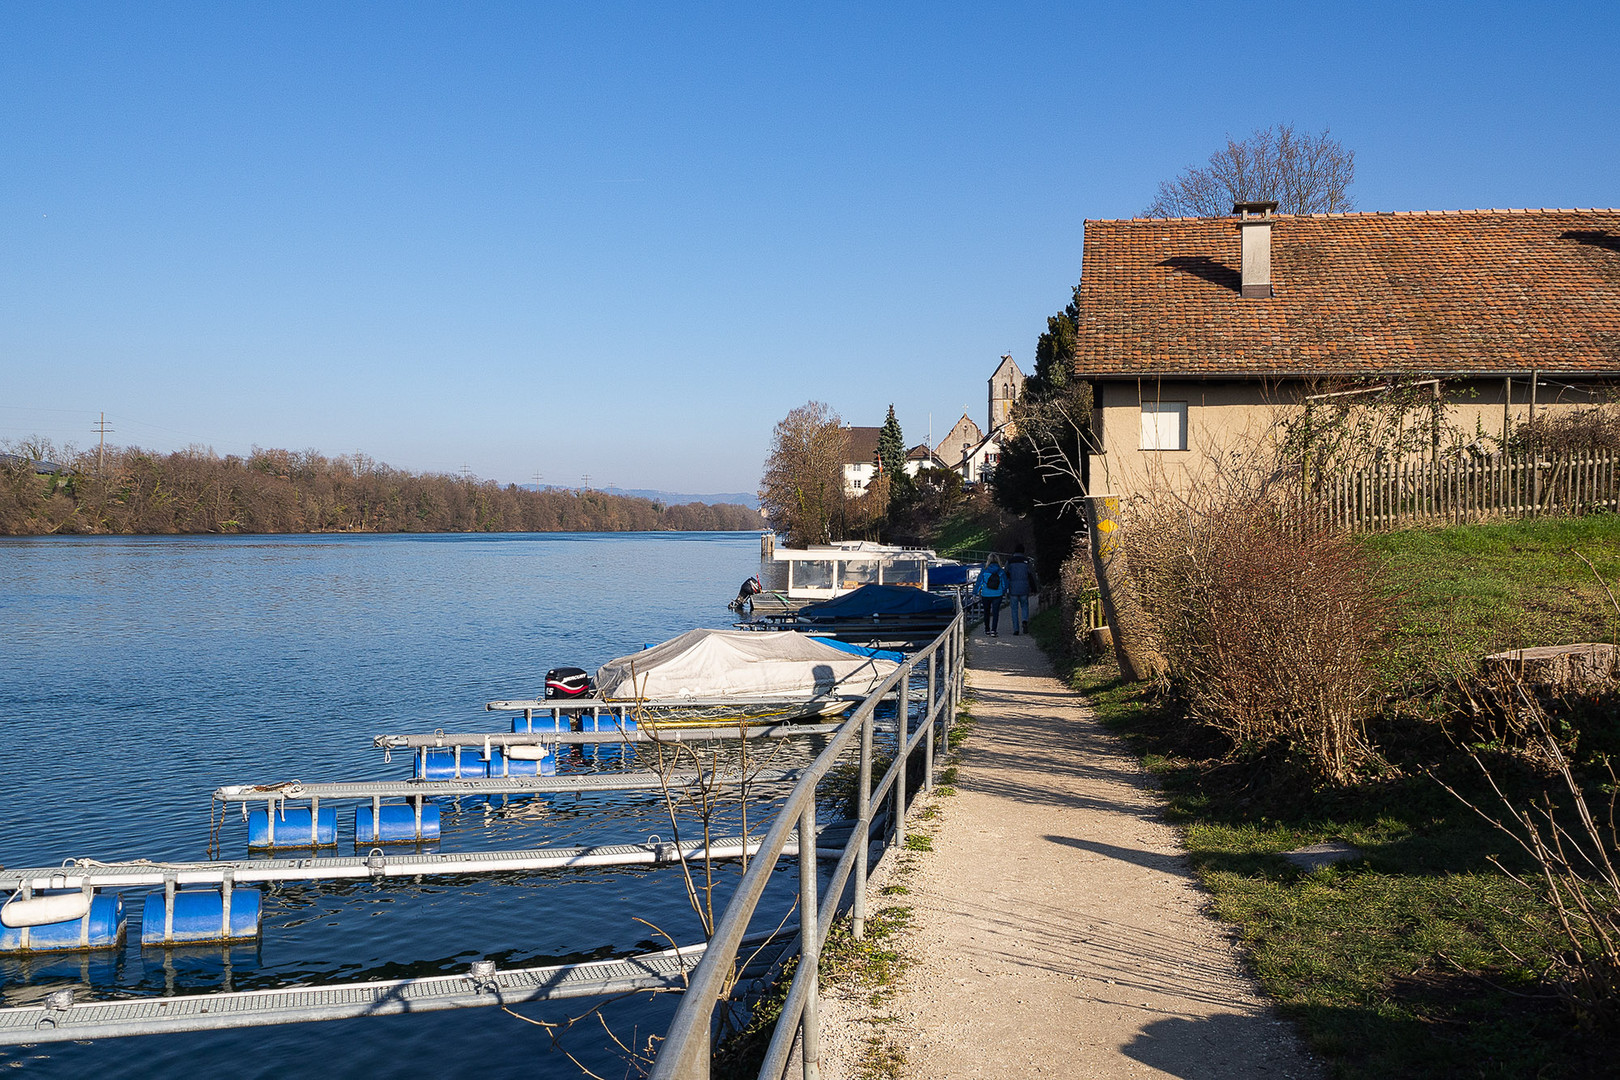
81,873
501,740
504,785
61,1019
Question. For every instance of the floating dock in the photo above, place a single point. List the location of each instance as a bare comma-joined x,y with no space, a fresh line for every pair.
89,873
61,1018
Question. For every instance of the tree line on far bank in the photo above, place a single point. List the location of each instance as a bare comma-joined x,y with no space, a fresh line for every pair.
129,490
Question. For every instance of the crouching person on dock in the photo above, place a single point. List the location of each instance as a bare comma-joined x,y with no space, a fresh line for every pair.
1021,585
990,589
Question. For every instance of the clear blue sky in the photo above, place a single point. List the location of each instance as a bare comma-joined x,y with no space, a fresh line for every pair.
623,240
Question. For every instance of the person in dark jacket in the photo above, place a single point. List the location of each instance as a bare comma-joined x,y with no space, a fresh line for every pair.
1021,585
991,588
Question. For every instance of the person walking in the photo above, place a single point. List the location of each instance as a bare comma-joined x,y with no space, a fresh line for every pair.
990,589
1021,585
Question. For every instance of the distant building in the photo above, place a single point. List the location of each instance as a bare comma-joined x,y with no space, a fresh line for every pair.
958,443
860,458
923,457
1005,386
973,451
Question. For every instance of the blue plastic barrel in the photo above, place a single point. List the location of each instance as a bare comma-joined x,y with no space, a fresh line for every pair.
500,766
540,722
440,763
604,752
292,828
396,824
107,926
199,915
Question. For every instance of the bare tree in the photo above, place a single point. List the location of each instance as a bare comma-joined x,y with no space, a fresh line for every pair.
1303,174
802,491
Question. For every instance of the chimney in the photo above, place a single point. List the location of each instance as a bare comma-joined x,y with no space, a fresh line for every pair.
1254,223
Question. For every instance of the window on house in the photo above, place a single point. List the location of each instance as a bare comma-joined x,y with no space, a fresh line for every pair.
1164,425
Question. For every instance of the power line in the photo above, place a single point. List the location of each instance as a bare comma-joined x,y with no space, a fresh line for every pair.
101,429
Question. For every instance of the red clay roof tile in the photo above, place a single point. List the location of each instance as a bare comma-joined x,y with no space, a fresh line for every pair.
1410,291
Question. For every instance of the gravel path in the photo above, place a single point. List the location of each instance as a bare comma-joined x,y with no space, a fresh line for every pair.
1057,927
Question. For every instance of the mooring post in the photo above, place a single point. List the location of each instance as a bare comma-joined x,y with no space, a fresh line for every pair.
809,945
227,886
169,884
84,921
863,829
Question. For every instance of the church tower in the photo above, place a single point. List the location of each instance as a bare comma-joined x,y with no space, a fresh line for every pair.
1005,386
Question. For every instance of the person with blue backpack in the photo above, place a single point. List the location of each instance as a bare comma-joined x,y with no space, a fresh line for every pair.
990,589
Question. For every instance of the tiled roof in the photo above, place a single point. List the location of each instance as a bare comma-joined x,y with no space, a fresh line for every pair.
863,445
1455,291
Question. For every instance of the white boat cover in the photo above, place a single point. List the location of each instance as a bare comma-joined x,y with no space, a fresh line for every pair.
743,664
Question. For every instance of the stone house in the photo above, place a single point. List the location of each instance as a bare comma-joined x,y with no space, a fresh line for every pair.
1198,334
959,442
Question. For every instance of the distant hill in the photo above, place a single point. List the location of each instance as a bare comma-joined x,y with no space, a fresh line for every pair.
669,498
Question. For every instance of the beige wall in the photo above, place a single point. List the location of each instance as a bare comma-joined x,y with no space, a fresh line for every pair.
1226,418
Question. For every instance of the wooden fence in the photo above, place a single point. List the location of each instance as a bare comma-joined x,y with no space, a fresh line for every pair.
1399,495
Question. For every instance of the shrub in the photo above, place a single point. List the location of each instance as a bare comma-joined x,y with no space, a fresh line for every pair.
1271,625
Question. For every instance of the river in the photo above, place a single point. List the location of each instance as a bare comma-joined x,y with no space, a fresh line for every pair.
140,673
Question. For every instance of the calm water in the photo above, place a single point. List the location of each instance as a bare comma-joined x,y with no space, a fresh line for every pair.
138,674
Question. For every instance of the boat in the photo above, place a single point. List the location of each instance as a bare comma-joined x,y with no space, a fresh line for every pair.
707,675
883,612
794,577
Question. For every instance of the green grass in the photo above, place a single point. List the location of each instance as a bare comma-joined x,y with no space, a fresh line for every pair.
1420,959
1467,591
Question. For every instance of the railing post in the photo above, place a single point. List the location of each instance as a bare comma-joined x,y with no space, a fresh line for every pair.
930,717
901,723
809,945
863,830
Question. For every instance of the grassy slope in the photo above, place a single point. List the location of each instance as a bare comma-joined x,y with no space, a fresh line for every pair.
1420,959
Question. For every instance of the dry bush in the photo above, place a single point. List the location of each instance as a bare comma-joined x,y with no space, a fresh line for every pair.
1582,431
1573,853
1271,624
1077,586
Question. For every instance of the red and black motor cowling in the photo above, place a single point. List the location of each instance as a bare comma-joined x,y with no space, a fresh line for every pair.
569,682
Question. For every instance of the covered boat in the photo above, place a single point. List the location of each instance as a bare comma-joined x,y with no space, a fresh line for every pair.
720,667
895,612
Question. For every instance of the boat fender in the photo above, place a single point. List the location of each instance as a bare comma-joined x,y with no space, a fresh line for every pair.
44,910
529,752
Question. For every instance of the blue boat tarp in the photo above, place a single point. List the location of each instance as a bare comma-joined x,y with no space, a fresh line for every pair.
870,600
862,650
948,574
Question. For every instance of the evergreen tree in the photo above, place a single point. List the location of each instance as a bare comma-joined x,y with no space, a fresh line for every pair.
892,447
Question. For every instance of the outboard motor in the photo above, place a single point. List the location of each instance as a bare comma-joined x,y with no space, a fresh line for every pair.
569,682
745,596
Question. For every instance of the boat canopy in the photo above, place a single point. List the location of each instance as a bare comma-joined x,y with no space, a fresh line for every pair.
870,600
711,664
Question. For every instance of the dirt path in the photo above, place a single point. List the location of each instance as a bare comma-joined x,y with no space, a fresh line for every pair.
1057,926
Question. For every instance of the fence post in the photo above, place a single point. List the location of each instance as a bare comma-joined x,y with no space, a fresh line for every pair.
809,945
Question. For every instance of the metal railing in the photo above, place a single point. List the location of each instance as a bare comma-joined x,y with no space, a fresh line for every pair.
685,1053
